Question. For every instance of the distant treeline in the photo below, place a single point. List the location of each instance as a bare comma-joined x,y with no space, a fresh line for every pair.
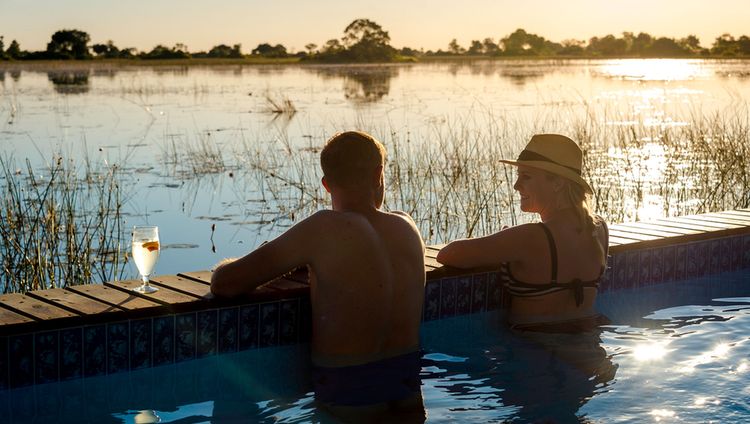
366,41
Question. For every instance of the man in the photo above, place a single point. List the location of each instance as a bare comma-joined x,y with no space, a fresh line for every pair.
366,284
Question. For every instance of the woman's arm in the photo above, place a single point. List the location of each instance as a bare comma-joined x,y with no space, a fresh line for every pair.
512,244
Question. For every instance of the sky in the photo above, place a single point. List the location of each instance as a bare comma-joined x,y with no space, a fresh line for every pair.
428,24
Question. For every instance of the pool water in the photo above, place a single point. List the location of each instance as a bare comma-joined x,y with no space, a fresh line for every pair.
677,352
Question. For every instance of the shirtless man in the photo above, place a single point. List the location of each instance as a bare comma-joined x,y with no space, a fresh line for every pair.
366,282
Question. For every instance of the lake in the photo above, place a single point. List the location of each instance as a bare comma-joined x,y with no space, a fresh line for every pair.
222,158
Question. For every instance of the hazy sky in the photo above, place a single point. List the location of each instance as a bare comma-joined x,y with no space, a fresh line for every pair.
428,24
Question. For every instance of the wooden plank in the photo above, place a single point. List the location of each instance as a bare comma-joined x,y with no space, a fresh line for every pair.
742,213
33,307
183,285
8,317
673,223
738,219
616,232
200,276
285,288
163,296
73,302
619,241
714,220
431,263
656,229
110,296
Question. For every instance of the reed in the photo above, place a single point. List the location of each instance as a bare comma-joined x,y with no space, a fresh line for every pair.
62,225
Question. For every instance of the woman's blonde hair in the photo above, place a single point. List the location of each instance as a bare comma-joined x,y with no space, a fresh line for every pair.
575,196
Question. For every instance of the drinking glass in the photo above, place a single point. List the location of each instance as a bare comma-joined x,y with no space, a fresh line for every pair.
145,254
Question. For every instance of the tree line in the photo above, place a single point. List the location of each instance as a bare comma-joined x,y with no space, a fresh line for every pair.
366,41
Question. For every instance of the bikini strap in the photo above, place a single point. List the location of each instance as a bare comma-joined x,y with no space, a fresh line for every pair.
552,251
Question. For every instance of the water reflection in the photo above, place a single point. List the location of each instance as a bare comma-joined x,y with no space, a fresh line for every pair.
70,82
362,84
654,69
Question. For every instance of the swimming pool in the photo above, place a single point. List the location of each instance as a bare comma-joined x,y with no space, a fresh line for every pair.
676,352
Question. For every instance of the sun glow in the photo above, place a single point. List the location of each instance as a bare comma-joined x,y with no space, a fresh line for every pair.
650,351
654,69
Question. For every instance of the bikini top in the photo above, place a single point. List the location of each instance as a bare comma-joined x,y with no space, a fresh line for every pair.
519,288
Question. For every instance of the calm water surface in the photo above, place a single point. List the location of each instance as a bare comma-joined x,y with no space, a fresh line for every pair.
199,146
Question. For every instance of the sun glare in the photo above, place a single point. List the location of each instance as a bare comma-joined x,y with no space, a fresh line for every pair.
650,351
654,69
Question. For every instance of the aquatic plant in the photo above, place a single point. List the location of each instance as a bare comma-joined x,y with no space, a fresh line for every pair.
61,225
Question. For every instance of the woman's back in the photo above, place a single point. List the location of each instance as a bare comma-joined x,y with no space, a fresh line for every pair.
558,279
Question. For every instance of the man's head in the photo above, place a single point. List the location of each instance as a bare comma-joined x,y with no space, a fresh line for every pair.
352,160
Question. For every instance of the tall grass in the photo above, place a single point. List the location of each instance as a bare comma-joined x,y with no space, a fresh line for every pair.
61,225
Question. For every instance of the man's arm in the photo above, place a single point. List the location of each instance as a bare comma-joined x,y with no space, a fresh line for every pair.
270,260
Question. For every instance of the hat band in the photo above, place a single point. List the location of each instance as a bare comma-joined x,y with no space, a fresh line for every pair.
528,155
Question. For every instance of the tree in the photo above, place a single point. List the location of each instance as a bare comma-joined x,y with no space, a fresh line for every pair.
572,47
311,48
608,45
743,45
366,41
490,48
2,48
691,43
222,50
522,43
69,44
179,51
665,47
14,50
476,47
108,50
725,45
455,48
267,50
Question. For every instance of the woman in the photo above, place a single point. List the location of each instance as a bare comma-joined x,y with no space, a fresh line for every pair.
551,269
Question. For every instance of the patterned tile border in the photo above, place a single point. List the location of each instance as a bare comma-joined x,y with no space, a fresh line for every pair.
92,350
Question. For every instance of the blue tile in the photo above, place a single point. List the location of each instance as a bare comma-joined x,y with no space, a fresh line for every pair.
185,337
698,260
479,292
46,357
668,263
94,350
21,356
269,324
289,321
680,262
619,274
431,300
605,284
463,295
118,359
4,385
494,291
71,353
207,333
644,267
448,297
249,326
228,329
736,253
163,340
305,319
725,254
140,344
657,266
633,268
746,251
23,406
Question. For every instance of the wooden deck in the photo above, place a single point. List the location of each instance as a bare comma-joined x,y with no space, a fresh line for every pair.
190,291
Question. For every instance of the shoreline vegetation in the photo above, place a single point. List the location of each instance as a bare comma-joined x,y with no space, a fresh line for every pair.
364,41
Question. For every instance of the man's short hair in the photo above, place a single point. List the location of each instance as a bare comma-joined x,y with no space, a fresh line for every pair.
349,158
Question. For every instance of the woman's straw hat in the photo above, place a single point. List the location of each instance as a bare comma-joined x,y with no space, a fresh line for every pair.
555,154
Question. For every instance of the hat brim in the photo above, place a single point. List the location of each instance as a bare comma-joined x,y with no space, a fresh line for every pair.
553,168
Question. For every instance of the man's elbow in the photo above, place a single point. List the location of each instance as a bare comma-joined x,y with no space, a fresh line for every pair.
221,285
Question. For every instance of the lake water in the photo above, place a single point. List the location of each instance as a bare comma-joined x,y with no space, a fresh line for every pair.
199,147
